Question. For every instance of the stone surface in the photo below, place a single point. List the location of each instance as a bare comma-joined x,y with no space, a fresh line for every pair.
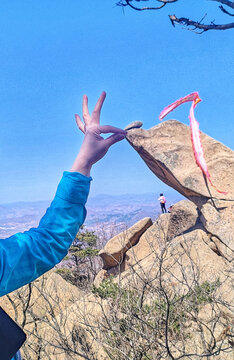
188,257
134,125
219,222
114,251
150,243
184,217
185,261
36,308
167,151
101,275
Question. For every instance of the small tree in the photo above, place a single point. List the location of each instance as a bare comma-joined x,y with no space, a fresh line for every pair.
83,253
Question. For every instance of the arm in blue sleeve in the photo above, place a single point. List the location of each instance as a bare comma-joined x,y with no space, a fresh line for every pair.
26,256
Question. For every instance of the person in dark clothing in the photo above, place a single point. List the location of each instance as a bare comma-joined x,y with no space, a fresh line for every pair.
162,201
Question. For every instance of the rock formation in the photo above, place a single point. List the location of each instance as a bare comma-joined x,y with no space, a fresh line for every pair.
165,287
194,243
133,125
114,251
167,151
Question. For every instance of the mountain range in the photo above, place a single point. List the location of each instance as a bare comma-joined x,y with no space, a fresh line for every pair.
104,212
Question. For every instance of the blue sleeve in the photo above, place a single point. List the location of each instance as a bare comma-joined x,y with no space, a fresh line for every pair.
26,256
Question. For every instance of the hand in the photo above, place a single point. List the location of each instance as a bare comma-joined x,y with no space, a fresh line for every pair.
94,146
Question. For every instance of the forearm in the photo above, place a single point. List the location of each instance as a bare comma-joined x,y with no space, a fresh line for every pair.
26,256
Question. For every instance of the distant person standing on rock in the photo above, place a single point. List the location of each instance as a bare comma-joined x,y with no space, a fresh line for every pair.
162,201
26,256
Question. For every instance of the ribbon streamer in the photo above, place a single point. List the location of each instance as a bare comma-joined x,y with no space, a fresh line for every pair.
195,132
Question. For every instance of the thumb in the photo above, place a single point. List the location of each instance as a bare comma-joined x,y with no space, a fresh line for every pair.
113,139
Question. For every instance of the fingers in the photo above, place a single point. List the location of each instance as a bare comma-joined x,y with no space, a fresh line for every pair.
105,129
98,106
85,109
113,139
79,123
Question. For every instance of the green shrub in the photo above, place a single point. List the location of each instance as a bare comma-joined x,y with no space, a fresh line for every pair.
107,289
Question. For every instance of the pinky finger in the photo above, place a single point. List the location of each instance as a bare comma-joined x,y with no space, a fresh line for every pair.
79,123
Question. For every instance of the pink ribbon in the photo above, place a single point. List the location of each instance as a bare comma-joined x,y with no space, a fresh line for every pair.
195,133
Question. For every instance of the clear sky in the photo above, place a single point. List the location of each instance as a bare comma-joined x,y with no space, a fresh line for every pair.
52,52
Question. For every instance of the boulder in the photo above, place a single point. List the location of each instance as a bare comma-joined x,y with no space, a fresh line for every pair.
150,243
218,219
188,257
101,275
185,261
167,151
134,125
114,251
184,217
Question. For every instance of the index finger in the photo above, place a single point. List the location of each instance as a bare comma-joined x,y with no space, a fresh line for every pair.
98,106
105,129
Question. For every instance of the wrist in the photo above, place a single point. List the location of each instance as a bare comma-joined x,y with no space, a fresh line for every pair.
81,166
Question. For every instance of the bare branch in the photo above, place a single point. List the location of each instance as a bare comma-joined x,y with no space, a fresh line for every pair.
129,3
225,11
198,25
226,2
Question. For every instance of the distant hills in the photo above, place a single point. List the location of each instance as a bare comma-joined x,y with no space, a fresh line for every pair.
104,212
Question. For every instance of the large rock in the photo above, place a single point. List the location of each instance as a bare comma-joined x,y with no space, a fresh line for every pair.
151,242
218,219
41,310
114,251
186,265
167,151
184,217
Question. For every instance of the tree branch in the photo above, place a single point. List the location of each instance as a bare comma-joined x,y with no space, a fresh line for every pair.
183,20
225,11
198,25
226,2
128,3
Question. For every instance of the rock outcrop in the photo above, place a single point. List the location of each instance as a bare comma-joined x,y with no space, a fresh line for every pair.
190,249
177,256
114,251
167,151
134,125
184,217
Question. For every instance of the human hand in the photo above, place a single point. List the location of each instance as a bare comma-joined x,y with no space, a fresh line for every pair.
94,146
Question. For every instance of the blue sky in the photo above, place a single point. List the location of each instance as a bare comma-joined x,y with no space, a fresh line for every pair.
52,52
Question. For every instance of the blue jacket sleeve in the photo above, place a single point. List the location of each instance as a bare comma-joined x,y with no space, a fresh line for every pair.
26,256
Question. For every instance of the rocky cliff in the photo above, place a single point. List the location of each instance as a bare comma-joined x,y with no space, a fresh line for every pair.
191,246
165,290
167,151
